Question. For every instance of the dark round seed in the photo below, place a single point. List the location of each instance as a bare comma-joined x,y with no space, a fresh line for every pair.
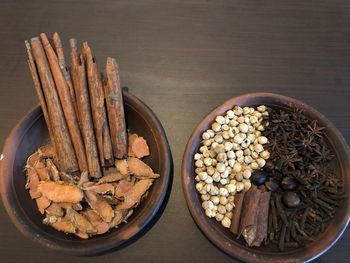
291,199
269,166
288,184
258,178
272,185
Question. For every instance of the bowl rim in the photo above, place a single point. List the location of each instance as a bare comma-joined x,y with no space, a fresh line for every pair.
186,178
23,223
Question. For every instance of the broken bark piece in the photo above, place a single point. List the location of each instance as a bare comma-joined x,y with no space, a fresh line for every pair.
262,215
64,226
115,110
101,206
133,196
236,213
122,167
53,172
32,183
101,226
60,192
101,188
124,186
98,111
131,139
42,202
140,148
80,222
119,217
112,177
84,178
46,151
54,210
248,224
67,178
139,169
41,169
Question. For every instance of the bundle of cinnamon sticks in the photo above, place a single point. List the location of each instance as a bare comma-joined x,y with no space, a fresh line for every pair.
83,109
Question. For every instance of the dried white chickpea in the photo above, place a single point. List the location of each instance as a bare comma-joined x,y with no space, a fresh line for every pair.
207,161
225,127
209,180
238,177
208,212
247,152
239,186
216,177
226,173
231,155
233,123
247,173
229,215
231,199
258,147
253,119
199,187
229,207
226,135
219,149
215,162
203,176
220,167
257,134
254,165
216,127
210,205
220,119
230,114
265,155
247,184
262,140
231,188
213,191
246,120
240,159
251,137
206,154
205,136
226,222
203,148
223,191
248,159
245,144
227,120
205,204
237,110
237,139
237,167
198,170
199,163
246,110
209,188
219,217
235,130
197,156
197,178
223,200
261,128
218,138
240,119
261,162
261,108
211,133
212,153
215,200
205,197
221,157
239,153
223,181
210,170
213,146
251,129
231,162
255,155
221,209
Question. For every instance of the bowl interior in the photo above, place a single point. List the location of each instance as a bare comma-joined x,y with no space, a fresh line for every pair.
221,236
32,133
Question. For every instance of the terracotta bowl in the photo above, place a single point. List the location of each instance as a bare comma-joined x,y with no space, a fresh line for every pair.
31,133
221,236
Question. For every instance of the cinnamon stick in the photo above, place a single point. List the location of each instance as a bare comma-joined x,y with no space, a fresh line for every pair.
39,91
62,62
237,211
98,108
66,102
262,220
66,157
115,110
84,110
248,224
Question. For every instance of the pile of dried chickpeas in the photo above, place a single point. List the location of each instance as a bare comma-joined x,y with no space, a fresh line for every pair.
230,151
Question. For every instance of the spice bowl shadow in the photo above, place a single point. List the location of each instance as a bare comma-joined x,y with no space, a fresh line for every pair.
222,237
31,133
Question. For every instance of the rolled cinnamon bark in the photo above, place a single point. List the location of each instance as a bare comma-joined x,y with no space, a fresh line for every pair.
39,91
98,108
263,214
248,224
84,110
66,156
115,110
66,102
237,211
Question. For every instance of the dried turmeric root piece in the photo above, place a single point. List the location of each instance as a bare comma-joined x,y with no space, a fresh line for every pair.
33,159
140,170
80,222
139,147
123,187
60,192
101,188
66,206
81,234
112,177
41,169
131,139
101,206
46,151
32,183
54,210
122,167
42,203
101,226
64,226
119,217
133,196
53,171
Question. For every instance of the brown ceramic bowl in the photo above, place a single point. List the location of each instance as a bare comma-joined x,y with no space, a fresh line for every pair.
31,133
221,236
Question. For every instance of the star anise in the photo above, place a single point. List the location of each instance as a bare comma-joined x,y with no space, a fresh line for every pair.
314,129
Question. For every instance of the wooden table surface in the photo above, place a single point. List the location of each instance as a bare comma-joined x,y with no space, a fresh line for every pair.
182,58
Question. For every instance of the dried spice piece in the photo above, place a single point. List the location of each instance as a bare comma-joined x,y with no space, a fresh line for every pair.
138,146
140,169
123,186
60,192
80,222
100,226
131,139
32,183
101,188
122,167
64,226
111,177
236,217
133,196
54,210
262,219
42,202
100,206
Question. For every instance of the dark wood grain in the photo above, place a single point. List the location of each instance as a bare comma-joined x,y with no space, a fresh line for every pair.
183,58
